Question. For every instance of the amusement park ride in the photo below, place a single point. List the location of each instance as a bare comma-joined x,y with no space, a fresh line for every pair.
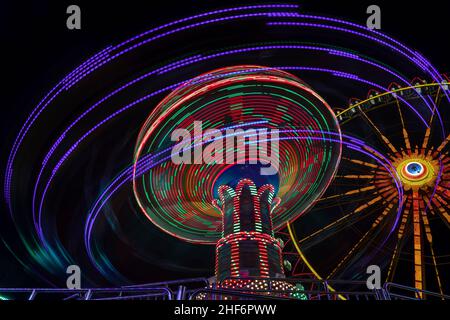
247,207
250,154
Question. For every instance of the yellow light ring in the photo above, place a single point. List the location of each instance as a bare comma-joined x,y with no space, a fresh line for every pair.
425,172
390,92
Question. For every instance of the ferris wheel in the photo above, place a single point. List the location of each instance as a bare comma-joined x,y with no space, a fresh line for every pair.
363,218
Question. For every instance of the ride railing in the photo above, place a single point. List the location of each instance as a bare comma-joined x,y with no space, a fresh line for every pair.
153,293
206,289
396,291
312,289
179,288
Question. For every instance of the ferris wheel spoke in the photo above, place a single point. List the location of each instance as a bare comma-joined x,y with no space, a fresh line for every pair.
404,131
426,139
429,238
440,203
349,201
348,193
441,146
393,263
368,204
375,224
400,240
386,141
349,254
355,176
436,103
328,227
436,270
444,192
387,198
441,200
439,209
360,162
418,255
384,213
387,190
428,130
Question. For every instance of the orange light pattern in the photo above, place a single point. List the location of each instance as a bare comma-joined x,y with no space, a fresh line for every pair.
423,170
419,171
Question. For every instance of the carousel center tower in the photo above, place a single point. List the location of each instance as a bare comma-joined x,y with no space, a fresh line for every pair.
248,247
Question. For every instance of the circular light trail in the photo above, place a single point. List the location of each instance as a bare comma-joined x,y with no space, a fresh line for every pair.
34,180
178,198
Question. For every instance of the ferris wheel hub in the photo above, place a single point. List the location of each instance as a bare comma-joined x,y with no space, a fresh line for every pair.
417,172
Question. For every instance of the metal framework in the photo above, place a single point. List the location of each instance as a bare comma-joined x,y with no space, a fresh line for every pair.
198,288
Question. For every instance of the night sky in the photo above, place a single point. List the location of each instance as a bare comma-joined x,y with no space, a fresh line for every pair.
38,50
